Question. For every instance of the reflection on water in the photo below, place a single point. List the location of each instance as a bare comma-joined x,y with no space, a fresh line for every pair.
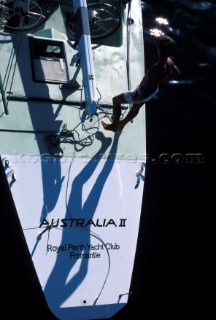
191,23
182,117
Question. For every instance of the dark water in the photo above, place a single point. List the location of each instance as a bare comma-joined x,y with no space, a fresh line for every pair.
175,264
174,274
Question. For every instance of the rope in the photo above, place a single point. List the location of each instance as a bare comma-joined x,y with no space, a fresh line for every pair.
128,45
129,21
10,62
54,140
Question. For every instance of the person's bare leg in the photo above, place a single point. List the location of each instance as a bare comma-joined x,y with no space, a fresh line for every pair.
117,101
133,112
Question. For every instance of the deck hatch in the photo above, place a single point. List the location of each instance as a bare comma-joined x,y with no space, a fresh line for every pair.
48,60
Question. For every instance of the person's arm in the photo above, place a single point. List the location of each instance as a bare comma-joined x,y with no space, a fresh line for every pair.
174,72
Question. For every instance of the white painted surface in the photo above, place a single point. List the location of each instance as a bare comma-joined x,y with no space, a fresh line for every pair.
88,262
